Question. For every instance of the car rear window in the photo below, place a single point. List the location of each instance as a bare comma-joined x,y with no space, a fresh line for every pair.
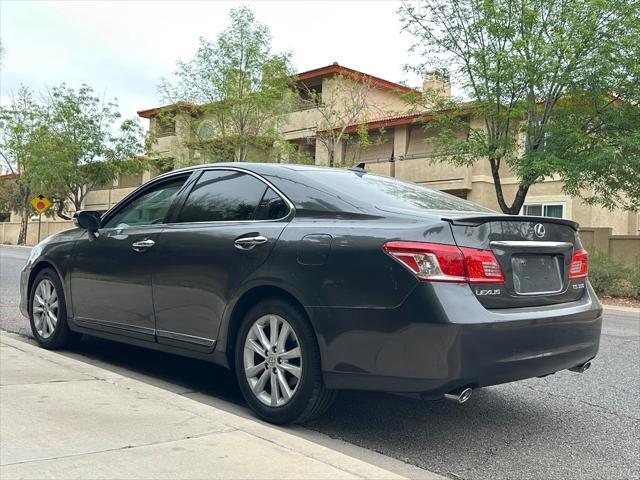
389,192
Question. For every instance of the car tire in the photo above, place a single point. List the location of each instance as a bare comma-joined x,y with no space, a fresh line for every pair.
48,312
308,396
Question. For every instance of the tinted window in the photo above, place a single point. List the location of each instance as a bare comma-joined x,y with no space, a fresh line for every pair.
149,208
222,195
389,192
272,206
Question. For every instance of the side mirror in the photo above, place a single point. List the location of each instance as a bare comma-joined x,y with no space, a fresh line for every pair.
87,219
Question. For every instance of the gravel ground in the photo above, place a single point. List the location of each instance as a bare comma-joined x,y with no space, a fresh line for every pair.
563,426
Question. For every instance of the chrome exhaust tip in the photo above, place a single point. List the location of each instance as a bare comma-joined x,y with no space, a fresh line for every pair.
460,396
581,368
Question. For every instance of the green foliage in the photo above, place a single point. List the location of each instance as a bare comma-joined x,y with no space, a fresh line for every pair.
238,86
614,279
554,87
82,147
346,100
21,125
10,197
21,140
595,148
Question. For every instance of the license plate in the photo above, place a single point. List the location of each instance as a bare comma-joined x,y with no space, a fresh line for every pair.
536,274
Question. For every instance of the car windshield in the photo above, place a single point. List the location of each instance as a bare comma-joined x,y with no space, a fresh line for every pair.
386,192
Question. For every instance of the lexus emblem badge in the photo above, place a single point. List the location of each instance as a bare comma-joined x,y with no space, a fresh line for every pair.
539,230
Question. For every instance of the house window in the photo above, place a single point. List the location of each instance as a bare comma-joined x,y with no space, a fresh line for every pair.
165,127
206,131
544,209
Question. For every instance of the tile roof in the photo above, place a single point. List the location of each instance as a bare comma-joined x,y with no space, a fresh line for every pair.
321,72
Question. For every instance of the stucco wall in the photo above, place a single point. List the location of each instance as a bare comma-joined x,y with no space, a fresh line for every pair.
9,231
623,248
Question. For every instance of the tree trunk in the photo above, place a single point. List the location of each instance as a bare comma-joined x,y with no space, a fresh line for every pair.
60,210
24,215
521,194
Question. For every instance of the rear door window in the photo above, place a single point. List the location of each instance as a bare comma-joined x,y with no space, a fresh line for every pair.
222,196
271,207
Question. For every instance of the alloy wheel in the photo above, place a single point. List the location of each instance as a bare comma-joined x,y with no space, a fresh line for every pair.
272,360
45,308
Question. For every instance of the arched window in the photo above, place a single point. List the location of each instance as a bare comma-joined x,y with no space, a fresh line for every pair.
206,131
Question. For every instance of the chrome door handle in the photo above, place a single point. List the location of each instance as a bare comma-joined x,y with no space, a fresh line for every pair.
143,245
247,243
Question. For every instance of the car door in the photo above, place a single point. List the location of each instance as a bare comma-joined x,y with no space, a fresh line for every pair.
226,228
111,269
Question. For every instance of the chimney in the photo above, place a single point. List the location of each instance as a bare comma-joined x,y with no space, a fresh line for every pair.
439,82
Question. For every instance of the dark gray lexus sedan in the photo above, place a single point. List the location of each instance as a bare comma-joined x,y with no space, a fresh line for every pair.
309,280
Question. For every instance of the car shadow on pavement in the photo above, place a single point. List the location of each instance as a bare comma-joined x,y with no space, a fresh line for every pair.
179,374
486,411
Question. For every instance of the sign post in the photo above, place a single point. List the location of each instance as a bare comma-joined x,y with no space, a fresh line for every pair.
40,204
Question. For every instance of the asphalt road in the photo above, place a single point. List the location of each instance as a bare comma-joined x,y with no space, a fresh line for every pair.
563,426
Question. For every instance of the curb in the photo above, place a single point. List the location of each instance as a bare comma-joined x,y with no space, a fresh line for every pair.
623,311
9,245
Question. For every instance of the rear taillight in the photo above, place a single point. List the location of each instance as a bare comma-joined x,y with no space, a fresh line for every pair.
429,261
446,263
482,266
578,267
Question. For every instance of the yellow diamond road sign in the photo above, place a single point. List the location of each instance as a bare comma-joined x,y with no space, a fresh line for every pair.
40,203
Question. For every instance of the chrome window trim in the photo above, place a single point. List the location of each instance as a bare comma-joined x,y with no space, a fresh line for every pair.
191,171
291,212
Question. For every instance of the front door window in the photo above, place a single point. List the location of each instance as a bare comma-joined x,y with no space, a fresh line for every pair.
149,208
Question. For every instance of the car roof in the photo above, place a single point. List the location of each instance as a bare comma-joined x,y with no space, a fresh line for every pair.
264,168
324,197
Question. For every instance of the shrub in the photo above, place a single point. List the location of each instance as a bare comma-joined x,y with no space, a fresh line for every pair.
612,278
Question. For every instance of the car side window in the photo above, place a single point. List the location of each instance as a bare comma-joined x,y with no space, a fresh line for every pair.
223,195
149,208
271,207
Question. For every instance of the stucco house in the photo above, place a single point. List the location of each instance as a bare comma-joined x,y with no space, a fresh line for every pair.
401,150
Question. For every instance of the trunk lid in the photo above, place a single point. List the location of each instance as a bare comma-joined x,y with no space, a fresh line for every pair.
533,252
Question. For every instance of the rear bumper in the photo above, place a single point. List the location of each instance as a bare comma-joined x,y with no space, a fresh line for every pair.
440,338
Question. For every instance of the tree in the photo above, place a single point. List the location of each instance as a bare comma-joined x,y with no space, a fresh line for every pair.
21,142
555,84
10,198
83,148
346,100
235,90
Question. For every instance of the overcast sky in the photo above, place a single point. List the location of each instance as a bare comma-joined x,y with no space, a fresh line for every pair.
123,48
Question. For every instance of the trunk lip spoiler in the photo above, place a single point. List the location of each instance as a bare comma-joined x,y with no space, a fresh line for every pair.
480,219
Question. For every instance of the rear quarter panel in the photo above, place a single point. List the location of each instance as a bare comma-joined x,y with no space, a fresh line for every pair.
350,268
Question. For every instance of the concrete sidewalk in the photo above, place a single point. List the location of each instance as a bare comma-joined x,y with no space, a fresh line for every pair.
63,418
